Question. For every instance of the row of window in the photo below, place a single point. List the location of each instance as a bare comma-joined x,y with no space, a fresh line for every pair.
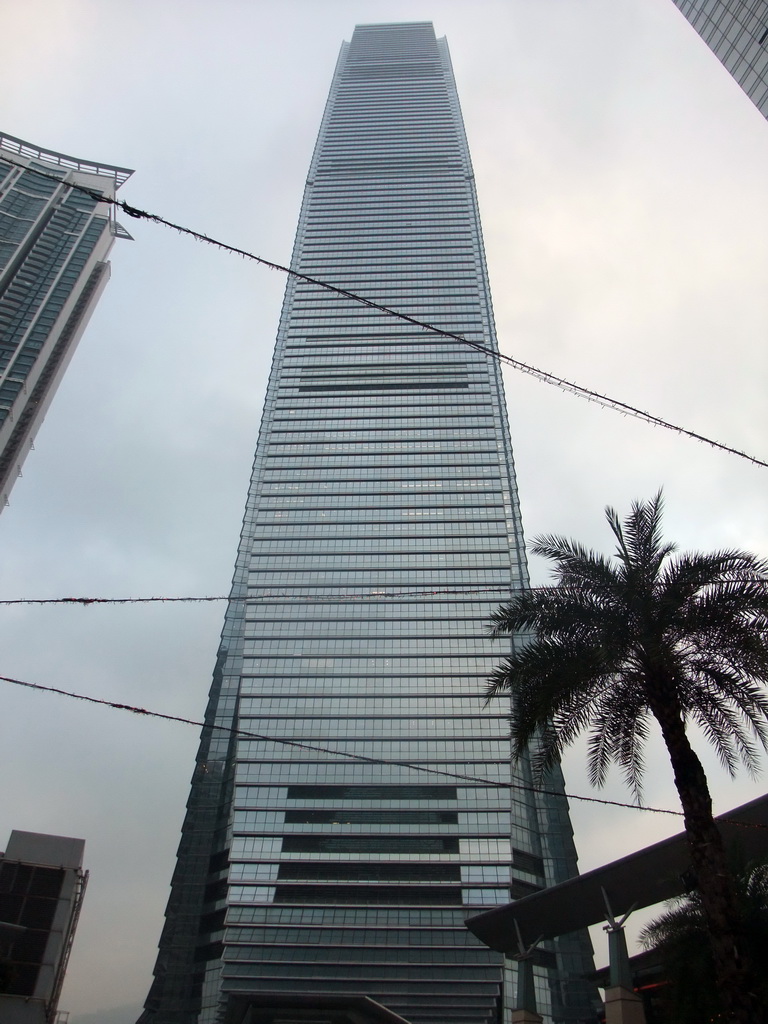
469,406
361,237
376,562
443,252
312,370
40,271
286,773
354,505
35,184
379,815
407,416
366,686
361,434
59,295
400,381
378,338
378,729
387,485
340,538
293,420
386,626
366,706
352,271
393,917
378,553
387,120
360,105
375,607
400,516
408,529
369,361
367,895
360,954
459,936
425,577
425,216
400,846
358,677
326,194
352,446
382,647
416,750
478,665
482,808
384,195
388,466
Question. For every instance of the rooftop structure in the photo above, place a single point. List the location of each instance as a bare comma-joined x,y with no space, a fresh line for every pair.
54,243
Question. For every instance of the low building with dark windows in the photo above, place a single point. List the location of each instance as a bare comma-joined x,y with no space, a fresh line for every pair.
42,883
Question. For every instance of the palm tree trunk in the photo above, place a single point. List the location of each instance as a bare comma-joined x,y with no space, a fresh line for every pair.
713,879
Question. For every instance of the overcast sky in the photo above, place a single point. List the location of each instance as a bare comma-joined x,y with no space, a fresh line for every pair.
621,175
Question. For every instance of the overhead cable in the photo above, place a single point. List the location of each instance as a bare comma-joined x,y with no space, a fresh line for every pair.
243,734
282,597
542,375
376,595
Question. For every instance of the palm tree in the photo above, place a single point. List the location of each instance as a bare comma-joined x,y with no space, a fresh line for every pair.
617,642
679,940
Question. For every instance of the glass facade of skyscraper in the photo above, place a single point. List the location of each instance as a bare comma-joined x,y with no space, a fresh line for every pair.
367,805
54,242
737,32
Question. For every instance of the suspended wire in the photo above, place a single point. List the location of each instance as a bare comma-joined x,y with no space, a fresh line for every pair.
243,734
542,375
84,601
373,596
283,598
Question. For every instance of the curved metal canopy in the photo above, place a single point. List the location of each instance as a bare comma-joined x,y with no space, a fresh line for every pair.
642,879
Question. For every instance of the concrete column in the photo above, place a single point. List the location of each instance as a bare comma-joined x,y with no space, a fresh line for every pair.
525,1010
526,1017
623,1006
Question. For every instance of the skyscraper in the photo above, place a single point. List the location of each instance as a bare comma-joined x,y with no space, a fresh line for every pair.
367,805
737,32
54,243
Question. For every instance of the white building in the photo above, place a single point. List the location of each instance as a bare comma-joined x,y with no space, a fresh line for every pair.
54,243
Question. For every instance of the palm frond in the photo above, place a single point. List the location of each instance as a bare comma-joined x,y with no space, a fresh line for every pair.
613,642
687,633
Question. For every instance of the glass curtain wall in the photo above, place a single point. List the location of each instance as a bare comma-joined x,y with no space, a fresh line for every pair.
365,809
737,32
54,241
